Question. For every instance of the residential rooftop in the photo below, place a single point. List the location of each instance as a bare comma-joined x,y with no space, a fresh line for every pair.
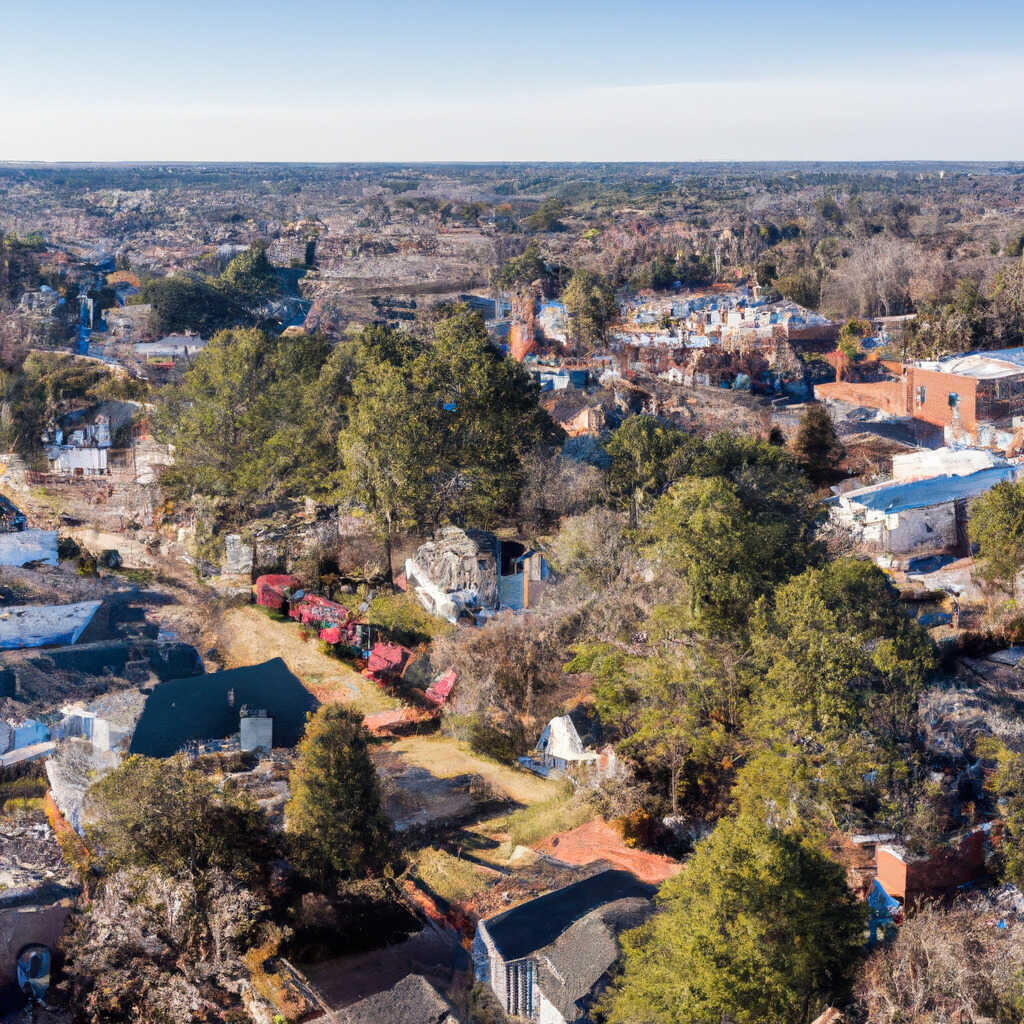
531,926
937,490
1006,362
207,707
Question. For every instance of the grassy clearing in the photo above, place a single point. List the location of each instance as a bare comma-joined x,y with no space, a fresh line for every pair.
559,813
450,877
249,635
445,757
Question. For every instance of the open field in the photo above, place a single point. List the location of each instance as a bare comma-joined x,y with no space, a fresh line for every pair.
445,757
248,636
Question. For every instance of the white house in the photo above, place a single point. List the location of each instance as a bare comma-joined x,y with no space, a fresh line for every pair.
915,517
561,749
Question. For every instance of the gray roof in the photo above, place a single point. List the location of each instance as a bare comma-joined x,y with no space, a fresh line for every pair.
172,345
535,925
413,1000
570,968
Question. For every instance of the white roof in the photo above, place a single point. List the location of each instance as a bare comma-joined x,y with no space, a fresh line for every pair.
28,546
560,739
1007,362
36,625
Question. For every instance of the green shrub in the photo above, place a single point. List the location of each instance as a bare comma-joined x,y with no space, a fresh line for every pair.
489,741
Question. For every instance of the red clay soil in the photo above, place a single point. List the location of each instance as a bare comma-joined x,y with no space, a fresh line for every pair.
597,840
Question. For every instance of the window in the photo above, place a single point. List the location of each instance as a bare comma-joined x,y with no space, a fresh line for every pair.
954,399
921,394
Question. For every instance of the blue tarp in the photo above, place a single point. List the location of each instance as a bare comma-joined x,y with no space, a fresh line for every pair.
882,911
935,491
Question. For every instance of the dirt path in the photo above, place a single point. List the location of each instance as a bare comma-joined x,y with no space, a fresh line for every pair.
246,636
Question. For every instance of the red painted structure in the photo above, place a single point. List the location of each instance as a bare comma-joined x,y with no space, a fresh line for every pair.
441,688
910,879
272,591
311,608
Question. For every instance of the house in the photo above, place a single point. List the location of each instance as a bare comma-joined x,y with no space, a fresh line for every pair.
905,518
413,1000
973,397
173,348
561,749
79,443
474,573
106,722
135,322
547,959
43,302
457,572
182,712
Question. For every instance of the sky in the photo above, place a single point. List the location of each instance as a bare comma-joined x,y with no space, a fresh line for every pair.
400,80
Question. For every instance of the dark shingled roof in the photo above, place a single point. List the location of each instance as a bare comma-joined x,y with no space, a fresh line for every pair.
197,708
571,967
413,1000
523,930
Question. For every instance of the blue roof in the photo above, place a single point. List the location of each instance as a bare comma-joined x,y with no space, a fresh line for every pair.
934,491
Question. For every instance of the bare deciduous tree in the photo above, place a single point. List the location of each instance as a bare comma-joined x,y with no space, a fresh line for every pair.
945,966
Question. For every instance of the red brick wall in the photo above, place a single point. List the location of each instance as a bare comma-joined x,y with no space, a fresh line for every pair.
936,408
885,395
901,398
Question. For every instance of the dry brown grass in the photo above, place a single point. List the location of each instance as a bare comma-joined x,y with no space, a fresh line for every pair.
247,637
445,757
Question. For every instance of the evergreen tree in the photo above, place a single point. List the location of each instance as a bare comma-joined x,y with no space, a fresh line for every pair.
759,929
997,526
591,306
817,445
334,816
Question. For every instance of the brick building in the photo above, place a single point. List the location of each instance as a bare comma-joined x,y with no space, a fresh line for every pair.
970,396
911,878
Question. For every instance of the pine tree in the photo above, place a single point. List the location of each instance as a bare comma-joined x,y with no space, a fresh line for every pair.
817,445
759,929
338,827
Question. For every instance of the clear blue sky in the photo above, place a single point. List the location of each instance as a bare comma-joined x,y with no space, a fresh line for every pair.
321,80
